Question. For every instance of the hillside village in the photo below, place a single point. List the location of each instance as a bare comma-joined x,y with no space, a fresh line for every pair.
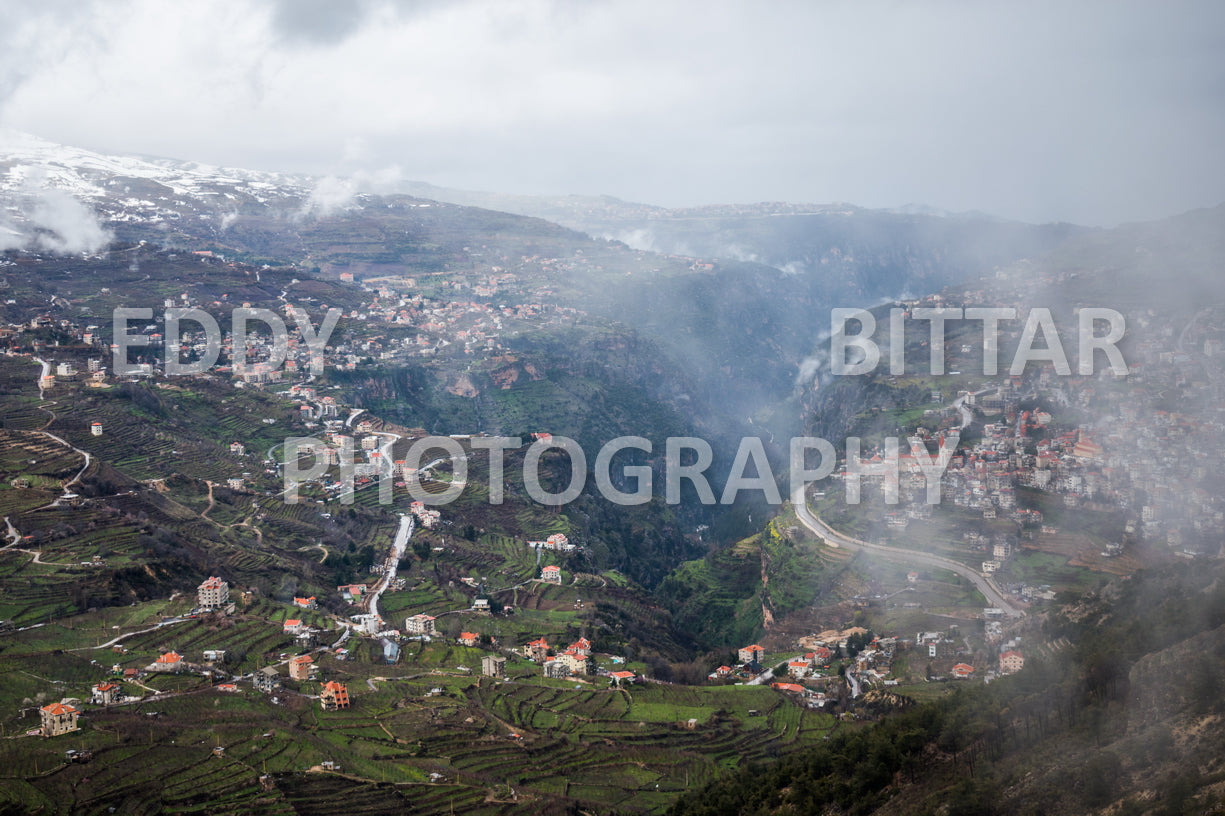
501,616
1021,448
1051,448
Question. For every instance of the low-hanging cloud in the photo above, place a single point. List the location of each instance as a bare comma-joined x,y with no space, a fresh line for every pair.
65,226
52,220
518,96
333,194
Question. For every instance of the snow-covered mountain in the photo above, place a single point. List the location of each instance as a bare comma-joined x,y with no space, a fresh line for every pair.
61,198
27,160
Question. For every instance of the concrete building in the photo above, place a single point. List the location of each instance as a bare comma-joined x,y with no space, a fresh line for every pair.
493,666
556,669
1011,662
420,625
751,654
266,679
334,696
300,668
213,593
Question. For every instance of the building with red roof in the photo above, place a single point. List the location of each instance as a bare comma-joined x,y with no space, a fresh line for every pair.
106,694
1011,662
58,718
538,650
963,670
333,696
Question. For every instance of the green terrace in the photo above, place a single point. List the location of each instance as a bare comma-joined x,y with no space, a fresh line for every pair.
635,746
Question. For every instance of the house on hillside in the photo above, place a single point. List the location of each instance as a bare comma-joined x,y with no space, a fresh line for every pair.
292,626
352,592
751,654
301,667
214,593
469,638
420,625
622,678
169,662
556,669
306,603
333,696
106,694
391,651
551,574
267,679
58,718
963,671
575,662
820,655
538,650
1011,662
493,666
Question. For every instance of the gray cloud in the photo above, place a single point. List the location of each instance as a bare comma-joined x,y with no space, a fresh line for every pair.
319,22
331,22
1095,112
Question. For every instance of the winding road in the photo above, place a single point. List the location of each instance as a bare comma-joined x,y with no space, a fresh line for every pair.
13,534
993,594
46,370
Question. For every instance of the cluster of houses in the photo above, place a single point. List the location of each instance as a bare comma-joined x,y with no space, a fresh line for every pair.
574,659
557,542
463,326
249,363
61,718
1141,461
428,517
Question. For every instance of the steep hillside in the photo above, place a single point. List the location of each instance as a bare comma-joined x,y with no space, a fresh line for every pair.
1123,719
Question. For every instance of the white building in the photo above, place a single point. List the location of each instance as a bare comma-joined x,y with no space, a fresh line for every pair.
213,593
420,625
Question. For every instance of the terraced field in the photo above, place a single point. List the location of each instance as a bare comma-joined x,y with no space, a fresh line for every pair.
148,528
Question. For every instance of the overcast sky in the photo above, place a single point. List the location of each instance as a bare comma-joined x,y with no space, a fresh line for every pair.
1093,112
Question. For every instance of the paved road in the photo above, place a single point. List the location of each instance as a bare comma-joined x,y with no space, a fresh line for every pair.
113,641
985,585
853,679
397,552
967,415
